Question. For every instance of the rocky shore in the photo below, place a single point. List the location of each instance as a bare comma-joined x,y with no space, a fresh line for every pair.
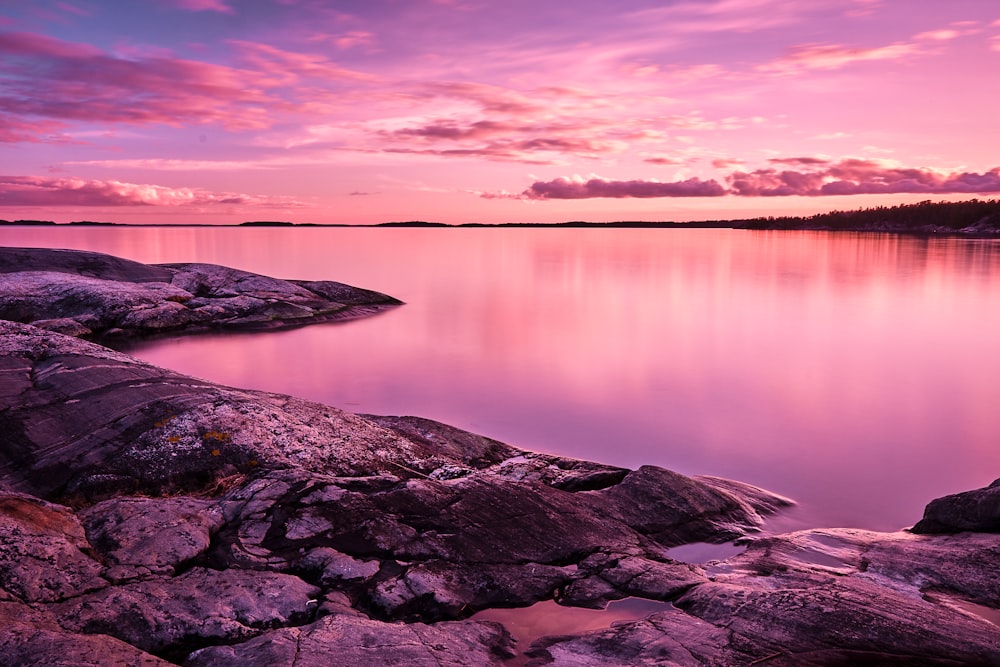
150,518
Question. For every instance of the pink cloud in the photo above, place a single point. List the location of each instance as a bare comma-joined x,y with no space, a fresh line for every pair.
834,56
204,6
14,130
73,9
512,138
660,160
354,38
726,163
566,188
818,178
800,161
938,35
280,67
526,150
51,191
851,177
50,78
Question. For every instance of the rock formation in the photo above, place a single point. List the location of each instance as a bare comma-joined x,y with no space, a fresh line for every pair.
91,295
149,518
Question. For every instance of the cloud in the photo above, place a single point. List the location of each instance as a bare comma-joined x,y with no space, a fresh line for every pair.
509,137
42,77
204,6
50,191
726,163
172,164
804,57
349,40
854,177
576,188
50,78
818,177
73,9
14,130
535,150
665,161
802,161
280,67
938,35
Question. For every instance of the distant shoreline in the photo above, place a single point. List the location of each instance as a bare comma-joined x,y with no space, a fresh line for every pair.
973,218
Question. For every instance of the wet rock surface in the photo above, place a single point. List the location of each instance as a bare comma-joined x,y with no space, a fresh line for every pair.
91,295
151,518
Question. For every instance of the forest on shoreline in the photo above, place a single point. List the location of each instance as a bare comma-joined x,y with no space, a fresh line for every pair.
974,217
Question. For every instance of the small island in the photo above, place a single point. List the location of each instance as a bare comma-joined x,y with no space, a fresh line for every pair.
151,518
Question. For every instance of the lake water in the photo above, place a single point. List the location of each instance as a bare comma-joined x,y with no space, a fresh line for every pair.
855,373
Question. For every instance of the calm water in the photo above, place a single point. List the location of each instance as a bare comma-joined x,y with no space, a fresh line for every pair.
858,374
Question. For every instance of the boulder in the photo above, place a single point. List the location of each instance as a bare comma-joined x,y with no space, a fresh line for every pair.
170,616
977,510
44,553
32,637
138,536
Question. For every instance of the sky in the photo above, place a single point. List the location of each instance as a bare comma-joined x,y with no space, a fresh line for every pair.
369,111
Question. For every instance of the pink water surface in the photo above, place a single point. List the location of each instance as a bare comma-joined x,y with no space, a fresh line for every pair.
855,373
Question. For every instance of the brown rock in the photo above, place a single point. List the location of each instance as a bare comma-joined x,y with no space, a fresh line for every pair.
43,551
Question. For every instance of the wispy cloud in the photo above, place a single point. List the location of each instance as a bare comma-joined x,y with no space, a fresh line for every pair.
579,188
276,66
204,6
175,164
834,56
14,129
51,191
51,78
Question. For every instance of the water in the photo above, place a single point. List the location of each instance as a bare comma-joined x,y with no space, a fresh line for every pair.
856,373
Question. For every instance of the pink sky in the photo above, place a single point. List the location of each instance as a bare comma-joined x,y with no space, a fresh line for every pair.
366,111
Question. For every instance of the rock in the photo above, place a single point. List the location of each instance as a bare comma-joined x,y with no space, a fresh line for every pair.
446,441
830,597
44,554
83,421
637,575
665,639
260,529
674,509
333,568
137,536
80,263
64,325
171,615
348,641
436,590
89,294
32,637
977,510
826,620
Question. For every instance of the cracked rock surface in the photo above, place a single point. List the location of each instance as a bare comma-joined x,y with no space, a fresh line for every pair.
149,518
92,295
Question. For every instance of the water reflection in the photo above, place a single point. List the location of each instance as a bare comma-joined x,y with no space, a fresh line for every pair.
546,619
854,373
